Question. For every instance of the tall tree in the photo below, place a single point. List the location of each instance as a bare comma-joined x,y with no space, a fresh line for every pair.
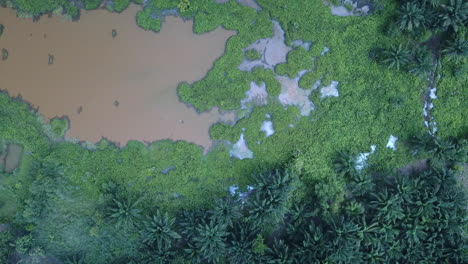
454,14
411,17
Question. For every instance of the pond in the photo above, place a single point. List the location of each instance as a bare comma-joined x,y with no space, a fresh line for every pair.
110,77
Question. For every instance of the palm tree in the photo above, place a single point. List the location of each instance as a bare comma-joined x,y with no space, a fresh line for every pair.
456,49
395,57
125,212
345,164
160,229
454,14
277,181
280,253
260,212
411,17
210,241
225,211
422,61
388,206
75,259
189,220
241,243
161,253
434,3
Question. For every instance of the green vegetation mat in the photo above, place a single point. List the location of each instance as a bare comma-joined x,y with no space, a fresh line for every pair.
59,197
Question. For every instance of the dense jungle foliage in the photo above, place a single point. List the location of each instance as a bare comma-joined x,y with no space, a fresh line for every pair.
301,199
410,215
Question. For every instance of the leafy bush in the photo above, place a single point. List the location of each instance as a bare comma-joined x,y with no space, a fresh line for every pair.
252,54
147,20
120,5
4,54
36,8
59,126
92,4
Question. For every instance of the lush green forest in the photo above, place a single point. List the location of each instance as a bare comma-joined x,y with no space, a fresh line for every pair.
306,196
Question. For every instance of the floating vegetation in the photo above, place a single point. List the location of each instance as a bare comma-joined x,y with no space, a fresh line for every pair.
252,54
1,29
116,103
51,59
114,33
4,54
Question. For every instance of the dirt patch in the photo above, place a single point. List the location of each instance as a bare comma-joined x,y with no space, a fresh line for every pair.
240,149
273,51
92,70
391,144
330,90
267,127
292,94
256,95
361,159
415,167
300,43
352,8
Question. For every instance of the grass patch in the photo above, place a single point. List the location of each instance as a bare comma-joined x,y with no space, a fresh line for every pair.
92,4
252,54
147,20
59,126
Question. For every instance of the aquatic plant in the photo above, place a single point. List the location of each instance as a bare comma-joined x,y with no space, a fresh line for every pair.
395,57
92,4
4,54
51,59
144,20
252,54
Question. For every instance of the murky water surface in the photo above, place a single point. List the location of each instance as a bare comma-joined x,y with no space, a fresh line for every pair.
120,88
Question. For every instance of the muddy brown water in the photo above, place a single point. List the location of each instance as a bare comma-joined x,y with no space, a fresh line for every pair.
121,88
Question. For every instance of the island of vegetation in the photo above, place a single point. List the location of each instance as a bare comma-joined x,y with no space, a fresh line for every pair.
349,144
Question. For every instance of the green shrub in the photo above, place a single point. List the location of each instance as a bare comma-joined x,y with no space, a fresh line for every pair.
59,126
4,54
35,7
184,5
145,21
252,54
120,5
92,4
